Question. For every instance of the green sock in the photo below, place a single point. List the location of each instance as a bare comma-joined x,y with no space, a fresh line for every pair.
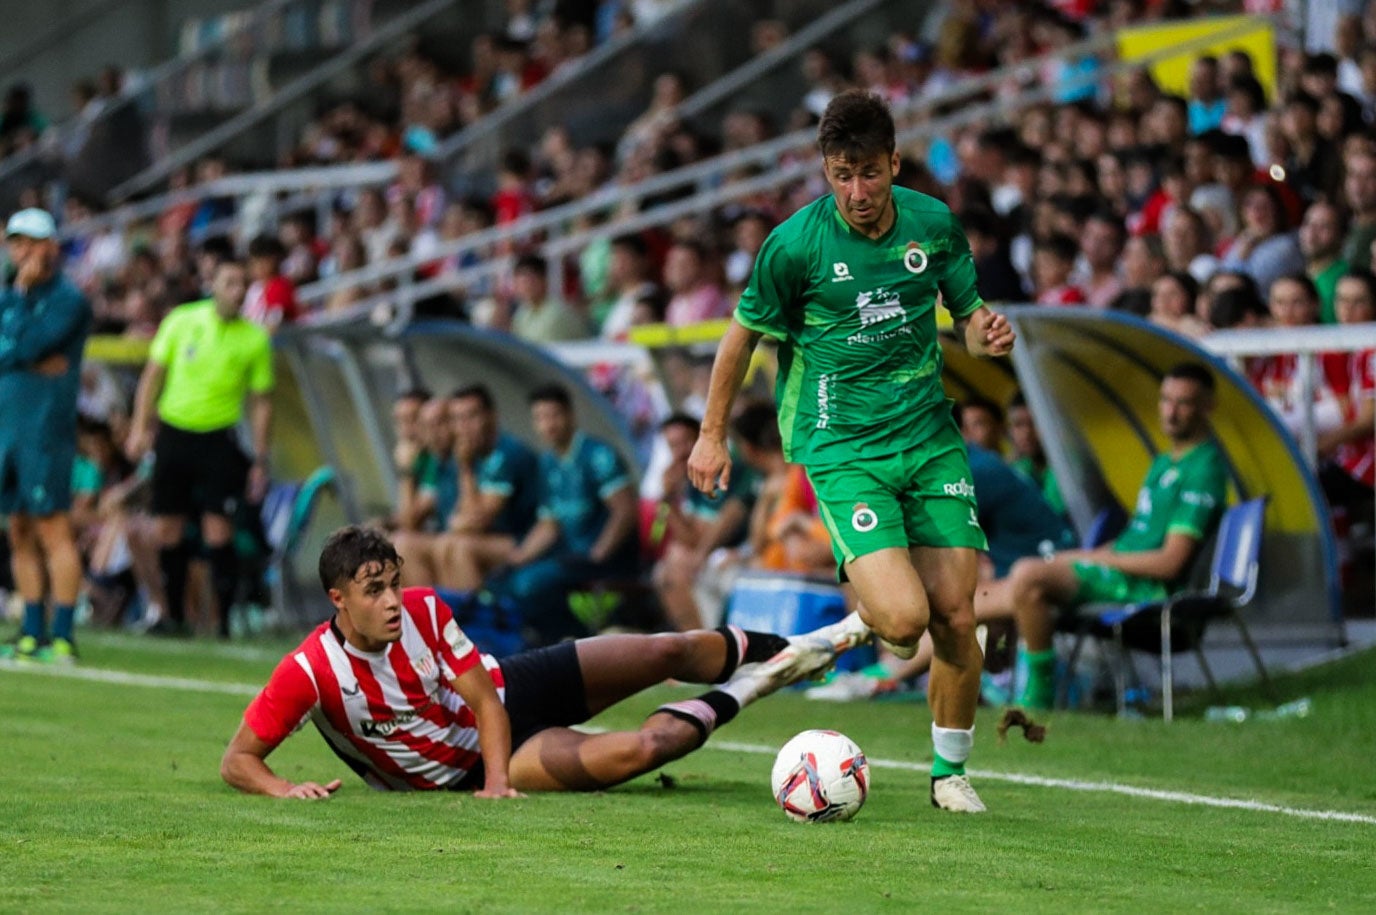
942,768
1040,689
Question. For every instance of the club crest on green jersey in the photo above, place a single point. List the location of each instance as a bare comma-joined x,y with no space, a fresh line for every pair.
914,259
863,518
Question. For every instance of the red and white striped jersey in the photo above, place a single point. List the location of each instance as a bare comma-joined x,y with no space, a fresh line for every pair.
393,716
1359,458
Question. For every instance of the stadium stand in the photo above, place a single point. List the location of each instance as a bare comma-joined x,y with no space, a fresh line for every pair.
417,165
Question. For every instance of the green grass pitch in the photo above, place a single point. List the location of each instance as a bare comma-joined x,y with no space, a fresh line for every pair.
113,802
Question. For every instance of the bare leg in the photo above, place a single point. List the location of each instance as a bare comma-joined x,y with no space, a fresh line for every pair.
892,596
953,691
617,666
464,560
63,562
417,558
26,559
561,759
1038,589
675,577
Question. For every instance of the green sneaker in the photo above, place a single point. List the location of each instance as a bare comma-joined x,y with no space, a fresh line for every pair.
24,648
60,651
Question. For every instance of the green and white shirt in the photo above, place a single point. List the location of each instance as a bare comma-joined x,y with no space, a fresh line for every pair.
859,361
1179,496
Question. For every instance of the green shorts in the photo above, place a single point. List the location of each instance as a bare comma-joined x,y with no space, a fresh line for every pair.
922,497
1102,585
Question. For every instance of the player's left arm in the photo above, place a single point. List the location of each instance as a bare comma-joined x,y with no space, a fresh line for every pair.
983,332
475,687
623,509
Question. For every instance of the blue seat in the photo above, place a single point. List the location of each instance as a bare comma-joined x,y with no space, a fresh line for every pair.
286,514
1107,525
1178,623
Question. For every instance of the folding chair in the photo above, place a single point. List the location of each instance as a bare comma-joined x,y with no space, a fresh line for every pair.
1179,622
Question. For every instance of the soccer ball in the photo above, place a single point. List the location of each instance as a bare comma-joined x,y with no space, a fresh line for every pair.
820,776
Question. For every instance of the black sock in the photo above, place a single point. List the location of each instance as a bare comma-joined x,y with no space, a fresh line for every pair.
224,577
756,646
172,561
706,712
761,646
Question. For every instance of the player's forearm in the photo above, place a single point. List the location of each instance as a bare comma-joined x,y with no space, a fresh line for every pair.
539,541
251,775
261,421
620,525
494,742
1156,564
146,399
728,373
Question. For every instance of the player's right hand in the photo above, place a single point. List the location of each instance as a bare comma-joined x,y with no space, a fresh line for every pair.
310,791
709,466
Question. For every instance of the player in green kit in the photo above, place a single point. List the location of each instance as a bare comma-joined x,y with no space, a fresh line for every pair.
849,286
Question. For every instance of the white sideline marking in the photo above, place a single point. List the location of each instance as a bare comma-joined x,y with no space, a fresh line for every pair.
1068,784
125,678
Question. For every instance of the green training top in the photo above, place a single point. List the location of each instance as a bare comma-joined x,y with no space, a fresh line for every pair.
211,364
1184,496
859,361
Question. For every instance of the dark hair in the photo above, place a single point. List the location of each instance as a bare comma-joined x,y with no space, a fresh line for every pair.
1132,301
478,392
1060,245
1300,279
417,393
352,548
218,246
267,246
1187,283
531,262
1193,371
552,393
1366,278
1251,88
982,403
633,242
1231,307
856,125
1304,100
757,424
679,418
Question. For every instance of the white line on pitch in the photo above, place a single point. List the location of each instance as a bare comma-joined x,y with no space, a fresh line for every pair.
124,678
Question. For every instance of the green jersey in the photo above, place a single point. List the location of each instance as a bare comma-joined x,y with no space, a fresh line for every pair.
1180,496
859,361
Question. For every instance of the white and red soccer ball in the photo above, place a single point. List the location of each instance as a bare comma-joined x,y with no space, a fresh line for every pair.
820,776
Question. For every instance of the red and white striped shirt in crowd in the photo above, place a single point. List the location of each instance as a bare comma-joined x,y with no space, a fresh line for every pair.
1359,458
393,716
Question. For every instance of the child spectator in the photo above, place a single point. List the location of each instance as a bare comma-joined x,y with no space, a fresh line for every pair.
271,298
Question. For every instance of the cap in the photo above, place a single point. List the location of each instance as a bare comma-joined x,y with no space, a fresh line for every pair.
31,223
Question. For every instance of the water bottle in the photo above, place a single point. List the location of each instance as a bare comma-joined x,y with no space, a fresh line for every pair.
1300,708
1234,713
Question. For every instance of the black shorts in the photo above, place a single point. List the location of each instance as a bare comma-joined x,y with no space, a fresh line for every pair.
544,689
198,472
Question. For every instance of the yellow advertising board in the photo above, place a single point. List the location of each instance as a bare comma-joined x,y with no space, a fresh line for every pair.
1172,74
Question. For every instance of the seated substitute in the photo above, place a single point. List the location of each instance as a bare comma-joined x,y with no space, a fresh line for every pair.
586,521
1177,508
498,481
408,702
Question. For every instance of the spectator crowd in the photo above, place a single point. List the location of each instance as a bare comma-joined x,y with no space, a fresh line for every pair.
1238,202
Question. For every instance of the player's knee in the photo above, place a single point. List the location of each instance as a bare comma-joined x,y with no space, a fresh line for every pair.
953,625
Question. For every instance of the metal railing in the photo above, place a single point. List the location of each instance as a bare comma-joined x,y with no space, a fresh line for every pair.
291,92
154,82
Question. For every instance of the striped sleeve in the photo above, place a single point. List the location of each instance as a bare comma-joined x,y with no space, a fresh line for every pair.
286,701
453,649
